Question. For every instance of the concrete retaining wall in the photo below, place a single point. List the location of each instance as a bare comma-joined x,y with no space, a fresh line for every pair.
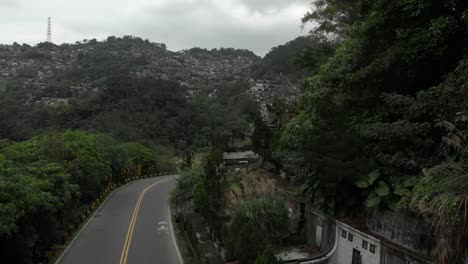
403,230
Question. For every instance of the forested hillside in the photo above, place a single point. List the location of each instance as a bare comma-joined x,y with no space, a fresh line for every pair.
295,59
143,110
383,122
142,107
127,87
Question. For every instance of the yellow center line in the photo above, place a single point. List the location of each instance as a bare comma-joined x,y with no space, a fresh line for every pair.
131,227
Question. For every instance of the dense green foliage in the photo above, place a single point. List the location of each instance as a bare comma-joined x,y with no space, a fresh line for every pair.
118,102
294,59
263,139
336,17
47,182
370,119
213,121
373,104
140,110
204,181
442,194
256,224
267,257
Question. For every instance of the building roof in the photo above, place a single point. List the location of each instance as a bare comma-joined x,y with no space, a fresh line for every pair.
240,155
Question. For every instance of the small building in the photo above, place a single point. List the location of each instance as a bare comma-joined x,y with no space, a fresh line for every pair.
240,159
355,247
380,240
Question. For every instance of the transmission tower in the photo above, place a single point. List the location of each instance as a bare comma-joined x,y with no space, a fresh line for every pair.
49,30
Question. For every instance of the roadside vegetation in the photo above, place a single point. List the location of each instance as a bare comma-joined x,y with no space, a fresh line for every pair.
256,224
48,182
241,207
382,122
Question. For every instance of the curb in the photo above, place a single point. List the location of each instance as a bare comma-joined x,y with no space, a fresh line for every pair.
174,238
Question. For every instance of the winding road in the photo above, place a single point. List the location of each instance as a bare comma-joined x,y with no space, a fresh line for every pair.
132,226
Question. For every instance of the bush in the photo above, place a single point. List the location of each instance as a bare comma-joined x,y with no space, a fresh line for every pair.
255,224
267,257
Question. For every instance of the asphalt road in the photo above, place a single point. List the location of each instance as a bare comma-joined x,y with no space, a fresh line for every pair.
132,226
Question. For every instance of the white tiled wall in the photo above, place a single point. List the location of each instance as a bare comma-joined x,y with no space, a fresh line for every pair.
344,251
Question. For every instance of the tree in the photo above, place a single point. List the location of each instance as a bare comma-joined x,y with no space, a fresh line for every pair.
209,189
371,105
262,140
295,58
336,16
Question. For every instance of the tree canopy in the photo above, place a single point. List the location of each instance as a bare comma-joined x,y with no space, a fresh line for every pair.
46,183
369,121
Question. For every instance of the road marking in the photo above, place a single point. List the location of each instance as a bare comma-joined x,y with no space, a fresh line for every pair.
85,225
181,260
162,227
131,227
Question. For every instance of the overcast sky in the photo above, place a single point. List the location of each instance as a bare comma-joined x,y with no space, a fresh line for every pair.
257,25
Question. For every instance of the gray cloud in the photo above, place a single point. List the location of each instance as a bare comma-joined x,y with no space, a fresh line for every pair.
269,6
10,3
257,25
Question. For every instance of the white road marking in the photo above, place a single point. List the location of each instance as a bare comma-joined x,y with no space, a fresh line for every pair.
181,260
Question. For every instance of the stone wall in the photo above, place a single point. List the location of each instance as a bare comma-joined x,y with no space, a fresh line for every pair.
402,229
198,239
394,255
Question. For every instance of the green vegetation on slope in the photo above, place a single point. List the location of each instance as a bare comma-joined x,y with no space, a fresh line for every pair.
383,109
134,109
295,59
251,225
